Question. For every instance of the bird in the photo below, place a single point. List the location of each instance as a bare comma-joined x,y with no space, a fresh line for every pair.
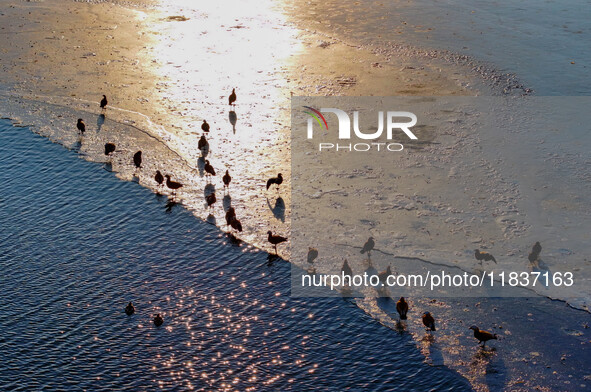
208,168
482,336
312,255
532,257
368,246
81,126
346,269
230,214
109,148
227,178
429,321
205,126
137,159
129,309
483,256
210,199
172,185
104,102
536,249
235,224
383,276
275,180
232,97
402,308
159,178
275,239
158,320
202,143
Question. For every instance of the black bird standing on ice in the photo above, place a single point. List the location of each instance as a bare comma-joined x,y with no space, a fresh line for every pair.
383,276
346,269
209,169
202,143
232,97
535,252
81,126
230,214
210,199
104,102
137,159
158,320
227,178
482,336
159,178
275,180
428,321
368,246
205,126
172,185
129,309
109,148
235,224
312,255
275,239
402,308
483,256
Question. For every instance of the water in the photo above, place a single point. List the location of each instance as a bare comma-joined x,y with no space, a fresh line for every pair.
77,243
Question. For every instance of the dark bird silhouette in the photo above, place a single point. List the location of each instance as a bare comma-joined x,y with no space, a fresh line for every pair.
202,143
230,214
428,321
537,248
172,185
227,178
383,276
232,97
158,320
129,309
368,246
275,239
312,255
137,159
402,308
275,180
159,178
210,199
483,256
482,336
235,224
104,102
208,168
81,126
346,269
532,257
205,126
109,148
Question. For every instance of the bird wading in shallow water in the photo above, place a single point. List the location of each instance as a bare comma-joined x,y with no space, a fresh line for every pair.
275,180
480,256
402,308
275,239
104,102
429,322
81,126
232,97
482,336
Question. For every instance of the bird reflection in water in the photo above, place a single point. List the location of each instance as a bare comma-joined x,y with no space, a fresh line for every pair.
170,203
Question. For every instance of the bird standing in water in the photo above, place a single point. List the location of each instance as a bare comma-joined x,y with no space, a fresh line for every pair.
275,239
205,126
429,321
109,148
232,97
172,185
137,159
159,178
81,126
482,336
104,102
402,308
368,246
129,309
483,256
227,178
158,320
275,180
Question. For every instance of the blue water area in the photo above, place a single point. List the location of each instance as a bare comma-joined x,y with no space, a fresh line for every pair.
76,244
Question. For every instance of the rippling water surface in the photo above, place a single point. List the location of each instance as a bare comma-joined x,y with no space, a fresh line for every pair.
76,244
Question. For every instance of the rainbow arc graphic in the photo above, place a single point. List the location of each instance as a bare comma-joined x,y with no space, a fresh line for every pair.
317,115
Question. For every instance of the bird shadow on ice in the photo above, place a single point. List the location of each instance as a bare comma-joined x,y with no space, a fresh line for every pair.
278,209
208,190
486,361
227,202
170,204
432,351
100,121
233,118
211,219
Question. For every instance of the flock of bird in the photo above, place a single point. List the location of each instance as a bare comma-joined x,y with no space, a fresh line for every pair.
402,306
231,219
